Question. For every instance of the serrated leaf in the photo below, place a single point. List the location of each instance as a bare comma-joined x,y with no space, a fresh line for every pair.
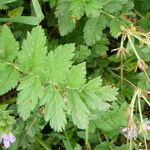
113,7
76,76
9,78
82,54
77,8
8,45
79,111
112,119
115,27
54,109
93,85
101,46
107,93
93,29
92,8
32,55
59,62
94,102
30,91
6,120
65,22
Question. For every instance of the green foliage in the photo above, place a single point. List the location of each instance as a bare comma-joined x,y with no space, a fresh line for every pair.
9,76
32,55
65,21
6,120
61,80
93,29
113,119
30,92
86,67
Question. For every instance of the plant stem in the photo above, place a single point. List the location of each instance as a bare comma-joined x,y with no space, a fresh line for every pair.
133,47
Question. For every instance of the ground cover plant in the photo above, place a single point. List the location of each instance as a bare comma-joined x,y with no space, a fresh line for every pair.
74,74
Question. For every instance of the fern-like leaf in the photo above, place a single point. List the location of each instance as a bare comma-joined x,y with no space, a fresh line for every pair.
32,55
79,111
30,92
54,108
59,62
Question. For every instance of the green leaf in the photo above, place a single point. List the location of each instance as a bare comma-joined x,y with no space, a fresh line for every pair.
33,54
59,61
101,47
8,45
30,91
92,99
94,102
103,146
144,53
113,7
107,93
9,78
16,12
79,112
54,109
112,120
93,85
77,8
93,29
92,8
115,27
76,76
6,120
65,22
82,54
